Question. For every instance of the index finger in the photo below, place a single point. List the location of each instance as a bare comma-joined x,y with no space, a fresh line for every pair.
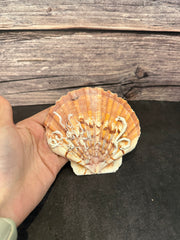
41,116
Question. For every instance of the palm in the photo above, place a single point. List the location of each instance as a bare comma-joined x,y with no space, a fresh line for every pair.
27,165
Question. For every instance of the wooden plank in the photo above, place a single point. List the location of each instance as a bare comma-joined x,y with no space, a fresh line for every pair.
44,97
151,15
39,67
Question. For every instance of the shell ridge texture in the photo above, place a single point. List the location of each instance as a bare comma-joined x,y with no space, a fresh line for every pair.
93,129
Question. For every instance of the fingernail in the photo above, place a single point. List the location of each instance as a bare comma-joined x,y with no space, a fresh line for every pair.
8,229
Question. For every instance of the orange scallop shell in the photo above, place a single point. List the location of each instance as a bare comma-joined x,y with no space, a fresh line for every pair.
92,128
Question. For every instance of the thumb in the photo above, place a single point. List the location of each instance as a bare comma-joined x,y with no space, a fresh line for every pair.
6,113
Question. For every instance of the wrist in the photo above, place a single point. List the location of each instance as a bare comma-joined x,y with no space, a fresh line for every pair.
8,229
5,208
7,204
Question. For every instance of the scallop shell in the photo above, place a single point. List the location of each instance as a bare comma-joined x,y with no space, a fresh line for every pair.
92,128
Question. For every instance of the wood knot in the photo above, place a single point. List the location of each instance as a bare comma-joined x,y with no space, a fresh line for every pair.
140,73
49,9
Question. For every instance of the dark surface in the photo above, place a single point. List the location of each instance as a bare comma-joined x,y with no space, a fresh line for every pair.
141,201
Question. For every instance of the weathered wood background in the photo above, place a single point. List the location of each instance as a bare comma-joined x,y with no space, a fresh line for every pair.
50,47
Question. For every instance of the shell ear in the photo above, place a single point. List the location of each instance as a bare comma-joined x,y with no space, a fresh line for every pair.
110,168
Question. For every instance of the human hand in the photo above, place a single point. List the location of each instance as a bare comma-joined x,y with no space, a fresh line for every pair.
27,165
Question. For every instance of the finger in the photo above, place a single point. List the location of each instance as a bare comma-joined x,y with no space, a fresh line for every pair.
56,164
62,161
53,161
6,113
41,116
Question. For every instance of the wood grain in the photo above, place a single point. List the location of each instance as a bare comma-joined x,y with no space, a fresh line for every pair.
39,67
143,15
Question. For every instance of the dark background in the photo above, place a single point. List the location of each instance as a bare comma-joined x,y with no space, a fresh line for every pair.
140,201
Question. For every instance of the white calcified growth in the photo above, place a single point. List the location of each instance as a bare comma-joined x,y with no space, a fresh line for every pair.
74,137
72,133
60,119
118,139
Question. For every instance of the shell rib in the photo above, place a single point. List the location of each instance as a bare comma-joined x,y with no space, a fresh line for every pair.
92,128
